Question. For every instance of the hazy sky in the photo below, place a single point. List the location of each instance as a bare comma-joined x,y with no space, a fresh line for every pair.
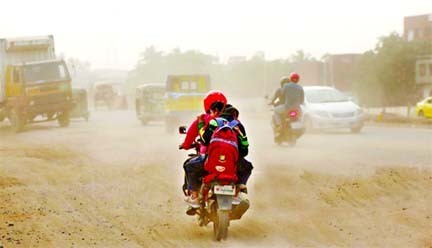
113,33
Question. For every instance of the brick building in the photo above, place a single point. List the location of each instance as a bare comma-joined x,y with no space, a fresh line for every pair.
418,27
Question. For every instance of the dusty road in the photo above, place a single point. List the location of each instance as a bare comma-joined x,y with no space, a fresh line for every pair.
114,183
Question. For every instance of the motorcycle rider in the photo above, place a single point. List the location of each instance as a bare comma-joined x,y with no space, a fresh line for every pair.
292,95
194,167
193,130
244,167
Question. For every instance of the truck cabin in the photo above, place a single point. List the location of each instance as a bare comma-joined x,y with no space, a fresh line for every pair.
39,72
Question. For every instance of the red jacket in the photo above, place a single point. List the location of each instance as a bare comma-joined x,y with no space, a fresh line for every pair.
193,130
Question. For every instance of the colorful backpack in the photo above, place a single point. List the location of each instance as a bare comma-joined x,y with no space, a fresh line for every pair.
221,162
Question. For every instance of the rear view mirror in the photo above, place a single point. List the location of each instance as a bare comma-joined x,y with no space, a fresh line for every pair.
182,129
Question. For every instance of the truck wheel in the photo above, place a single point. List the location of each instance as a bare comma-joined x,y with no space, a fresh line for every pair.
64,119
17,120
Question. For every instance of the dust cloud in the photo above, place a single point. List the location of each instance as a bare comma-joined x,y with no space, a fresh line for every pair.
114,183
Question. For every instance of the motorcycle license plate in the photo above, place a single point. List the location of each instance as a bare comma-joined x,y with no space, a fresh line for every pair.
224,189
296,125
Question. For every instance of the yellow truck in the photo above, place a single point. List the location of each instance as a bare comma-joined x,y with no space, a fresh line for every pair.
35,86
184,98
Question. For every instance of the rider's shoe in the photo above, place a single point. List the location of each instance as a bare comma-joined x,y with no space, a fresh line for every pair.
242,188
191,211
193,202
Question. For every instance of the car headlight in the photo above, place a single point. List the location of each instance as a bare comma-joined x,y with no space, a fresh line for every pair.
321,113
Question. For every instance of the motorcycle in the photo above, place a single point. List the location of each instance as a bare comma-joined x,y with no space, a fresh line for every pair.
291,127
216,198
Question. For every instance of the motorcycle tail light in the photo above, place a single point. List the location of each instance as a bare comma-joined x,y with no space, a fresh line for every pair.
293,114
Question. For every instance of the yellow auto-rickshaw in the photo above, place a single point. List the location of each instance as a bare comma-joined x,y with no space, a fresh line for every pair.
150,102
184,98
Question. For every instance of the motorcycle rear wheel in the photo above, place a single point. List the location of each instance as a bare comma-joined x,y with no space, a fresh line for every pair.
220,225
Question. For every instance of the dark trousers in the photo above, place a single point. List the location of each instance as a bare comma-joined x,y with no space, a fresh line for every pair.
244,170
194,172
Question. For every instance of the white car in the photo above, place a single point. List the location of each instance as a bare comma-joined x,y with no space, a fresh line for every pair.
326,107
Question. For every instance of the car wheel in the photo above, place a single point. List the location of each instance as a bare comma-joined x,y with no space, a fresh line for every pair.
356,129
421,114
308,125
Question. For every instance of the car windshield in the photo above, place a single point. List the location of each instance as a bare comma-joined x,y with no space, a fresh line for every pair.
325,95
156,94
45,72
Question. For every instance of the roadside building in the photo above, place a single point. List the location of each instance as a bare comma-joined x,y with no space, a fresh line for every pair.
418,27
424,74
338,70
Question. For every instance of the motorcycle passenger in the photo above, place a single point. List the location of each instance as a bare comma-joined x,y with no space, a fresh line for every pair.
203,119
278,97
292,95
194,167
244,167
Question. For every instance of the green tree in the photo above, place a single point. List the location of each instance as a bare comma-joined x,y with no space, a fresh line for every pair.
154,66
385,76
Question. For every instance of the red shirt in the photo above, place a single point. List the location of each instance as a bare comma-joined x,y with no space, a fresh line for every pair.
193,132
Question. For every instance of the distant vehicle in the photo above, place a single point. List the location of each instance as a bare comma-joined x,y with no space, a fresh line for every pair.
35,86
185,94
109,95
326,107
424,108
150,102
80,109
291,127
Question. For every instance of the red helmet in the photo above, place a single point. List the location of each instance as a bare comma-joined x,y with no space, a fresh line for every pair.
294,77
212,97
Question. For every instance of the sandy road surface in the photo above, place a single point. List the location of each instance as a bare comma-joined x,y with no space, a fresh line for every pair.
114,183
